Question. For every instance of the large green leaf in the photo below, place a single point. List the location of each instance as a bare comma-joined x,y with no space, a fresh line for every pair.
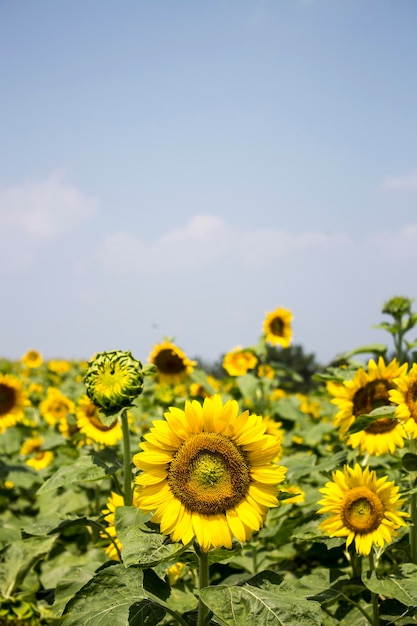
269,606
401,584
107,598
18,558
141,546
84,469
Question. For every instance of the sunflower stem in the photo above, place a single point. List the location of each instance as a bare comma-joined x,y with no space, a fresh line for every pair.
203,581
413,510
127,461
374,596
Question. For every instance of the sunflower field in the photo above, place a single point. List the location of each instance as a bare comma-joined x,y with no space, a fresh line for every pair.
137,492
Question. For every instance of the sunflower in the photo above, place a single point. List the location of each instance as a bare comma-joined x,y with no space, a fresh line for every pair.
32,359
12,401
92,427
209,473
171,363
405,395
277,327
238,361
39,459
56,406
367,391
362,507
58,366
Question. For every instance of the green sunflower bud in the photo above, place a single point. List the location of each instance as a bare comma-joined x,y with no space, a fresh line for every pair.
113,380
398,306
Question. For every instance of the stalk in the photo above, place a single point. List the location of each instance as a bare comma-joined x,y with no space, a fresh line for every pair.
413,510
203,581
374,596
127,461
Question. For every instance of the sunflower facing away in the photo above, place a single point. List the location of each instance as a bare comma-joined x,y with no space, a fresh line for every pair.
89,423
405,396
209,473
369,390
362,508
277,327
238,361
171,362
12,401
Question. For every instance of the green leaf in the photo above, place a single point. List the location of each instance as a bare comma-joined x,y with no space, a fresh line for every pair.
374,348
69,585
401,584
248,605
19,558
142,546
366,419
85,469
248,385
106,598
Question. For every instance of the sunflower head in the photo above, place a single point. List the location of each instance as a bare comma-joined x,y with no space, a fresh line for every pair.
113,380
209,473
32,359
362,508
172,364
368,390
277,327
239,361
12,401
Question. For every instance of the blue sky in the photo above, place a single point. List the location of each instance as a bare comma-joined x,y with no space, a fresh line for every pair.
179,169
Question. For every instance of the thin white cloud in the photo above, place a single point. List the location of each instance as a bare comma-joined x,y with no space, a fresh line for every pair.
401,183
43,210
398,246
206,239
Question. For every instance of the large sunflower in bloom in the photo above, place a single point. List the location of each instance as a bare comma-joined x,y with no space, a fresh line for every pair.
12,401
172,364
369,390
209,473
238,361
405,396
89,423
277,327
362,508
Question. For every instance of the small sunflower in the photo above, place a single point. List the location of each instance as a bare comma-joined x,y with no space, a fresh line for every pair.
58,366
362,508
172,364
238,361
92,427
38,458
369,390
277,327
113,380
12,401
405,395
56,406
209,473
32,359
